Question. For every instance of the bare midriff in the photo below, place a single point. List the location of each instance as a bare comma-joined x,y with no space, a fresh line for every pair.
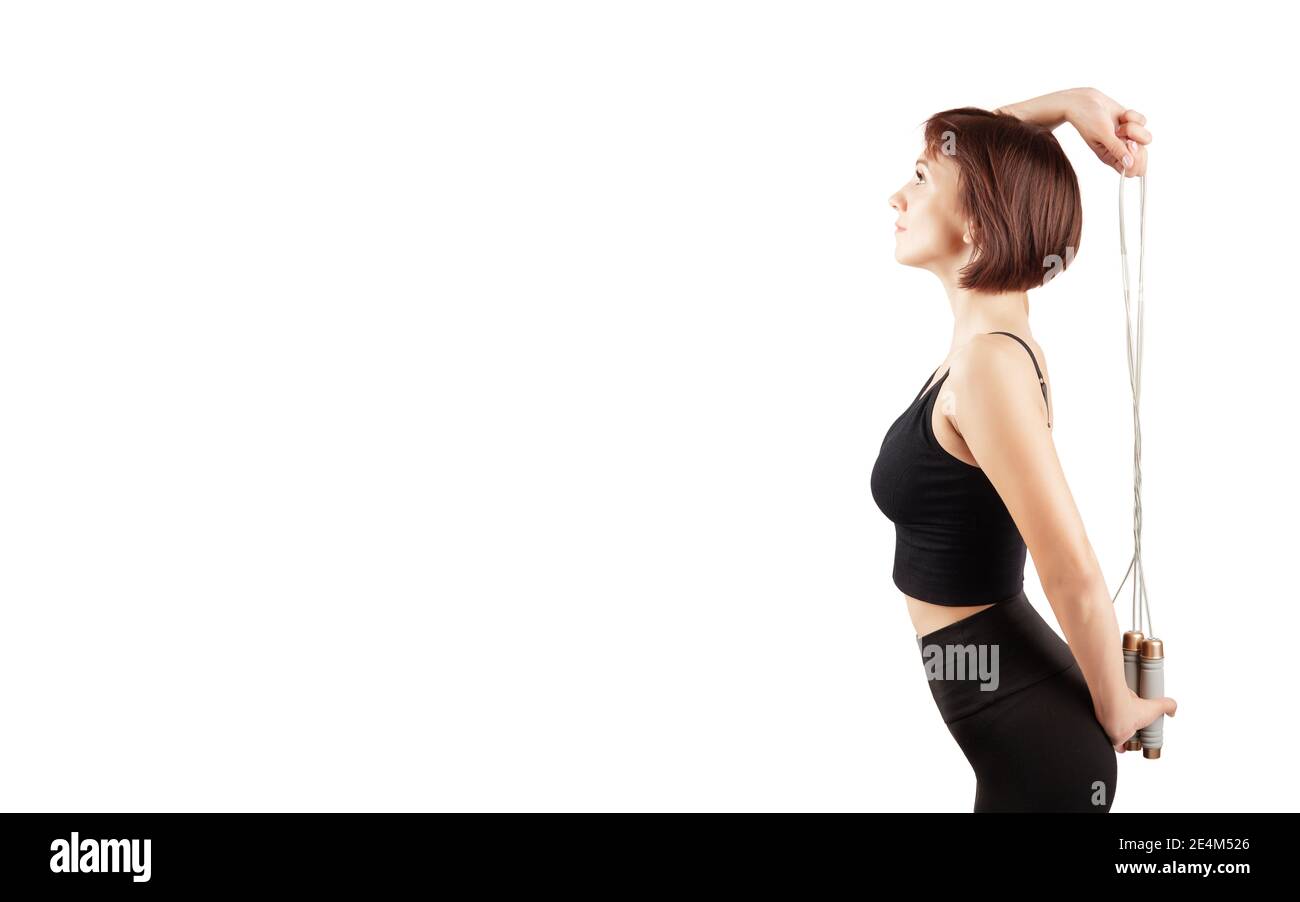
928,617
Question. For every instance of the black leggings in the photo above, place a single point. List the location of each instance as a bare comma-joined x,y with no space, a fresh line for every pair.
1031,736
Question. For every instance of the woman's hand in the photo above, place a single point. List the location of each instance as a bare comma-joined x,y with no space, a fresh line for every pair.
1132,714
1110,130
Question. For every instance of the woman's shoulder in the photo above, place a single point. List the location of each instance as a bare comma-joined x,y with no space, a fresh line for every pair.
1002,353
996,363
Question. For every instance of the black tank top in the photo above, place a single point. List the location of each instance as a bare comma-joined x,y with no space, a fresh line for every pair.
955,541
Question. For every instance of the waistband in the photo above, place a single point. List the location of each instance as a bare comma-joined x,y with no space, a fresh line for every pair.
987,656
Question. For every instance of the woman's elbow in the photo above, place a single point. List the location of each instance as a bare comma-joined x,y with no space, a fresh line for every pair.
1080,575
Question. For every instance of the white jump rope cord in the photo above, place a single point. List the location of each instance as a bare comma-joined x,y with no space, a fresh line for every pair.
1141,616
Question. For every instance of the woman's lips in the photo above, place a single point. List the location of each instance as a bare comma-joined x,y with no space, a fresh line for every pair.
899,228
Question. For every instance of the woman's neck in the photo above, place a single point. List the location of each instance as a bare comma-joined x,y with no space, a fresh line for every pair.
976,312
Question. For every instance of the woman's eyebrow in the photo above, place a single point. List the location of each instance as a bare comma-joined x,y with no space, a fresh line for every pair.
923,163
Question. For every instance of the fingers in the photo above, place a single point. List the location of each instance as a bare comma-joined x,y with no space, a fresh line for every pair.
1125,156
1121,156
1155,707
1137,160
1135,136
1134,131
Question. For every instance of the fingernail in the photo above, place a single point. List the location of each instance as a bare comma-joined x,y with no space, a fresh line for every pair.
1128,161
1132,146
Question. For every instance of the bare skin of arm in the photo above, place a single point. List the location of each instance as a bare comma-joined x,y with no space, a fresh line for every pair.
1050,110
998,409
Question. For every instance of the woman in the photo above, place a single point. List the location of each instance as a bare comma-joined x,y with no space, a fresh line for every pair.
969,474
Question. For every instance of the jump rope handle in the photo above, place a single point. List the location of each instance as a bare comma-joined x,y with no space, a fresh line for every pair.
1151,684
1132,647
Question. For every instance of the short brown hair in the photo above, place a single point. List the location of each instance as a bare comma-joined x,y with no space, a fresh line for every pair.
1019,190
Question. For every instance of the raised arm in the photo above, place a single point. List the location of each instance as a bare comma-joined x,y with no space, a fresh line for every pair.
1000,413
1118,136
1049,110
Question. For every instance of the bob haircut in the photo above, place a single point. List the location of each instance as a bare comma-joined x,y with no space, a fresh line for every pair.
1017,189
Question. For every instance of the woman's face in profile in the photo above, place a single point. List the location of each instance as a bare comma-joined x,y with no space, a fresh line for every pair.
931,228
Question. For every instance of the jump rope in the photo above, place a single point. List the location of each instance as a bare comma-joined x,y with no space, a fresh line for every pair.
1144,656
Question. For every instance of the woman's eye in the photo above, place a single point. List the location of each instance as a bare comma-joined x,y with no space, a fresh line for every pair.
919,177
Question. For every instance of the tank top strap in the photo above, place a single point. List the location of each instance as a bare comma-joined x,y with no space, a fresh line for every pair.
927,385
1042,384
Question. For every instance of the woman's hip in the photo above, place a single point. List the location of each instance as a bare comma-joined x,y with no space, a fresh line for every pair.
1040,749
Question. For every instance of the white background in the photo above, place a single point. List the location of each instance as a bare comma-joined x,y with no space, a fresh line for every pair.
471,406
